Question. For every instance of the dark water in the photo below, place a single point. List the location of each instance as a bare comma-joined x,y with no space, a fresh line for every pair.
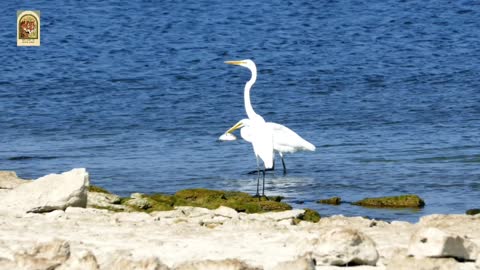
137,92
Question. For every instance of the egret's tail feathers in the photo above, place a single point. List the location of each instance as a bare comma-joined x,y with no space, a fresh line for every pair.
309,146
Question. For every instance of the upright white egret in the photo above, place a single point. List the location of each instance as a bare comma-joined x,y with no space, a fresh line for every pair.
261,134
285,140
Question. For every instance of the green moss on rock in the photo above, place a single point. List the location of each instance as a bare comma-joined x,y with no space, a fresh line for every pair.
240,201
149,203
403,201
93,188
162,198
332,200
211,199
473,211
310,215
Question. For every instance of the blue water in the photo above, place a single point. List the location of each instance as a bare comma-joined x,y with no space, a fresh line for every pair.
137,92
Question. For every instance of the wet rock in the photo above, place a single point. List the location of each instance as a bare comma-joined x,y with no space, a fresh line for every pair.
332,200
85,260
472,212
343,247
48,193
10,180
228,264
435,243
42,255
301,263
406,201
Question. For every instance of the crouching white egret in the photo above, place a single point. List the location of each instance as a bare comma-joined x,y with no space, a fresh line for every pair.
285,140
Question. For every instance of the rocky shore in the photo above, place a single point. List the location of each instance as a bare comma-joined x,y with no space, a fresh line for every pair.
55,222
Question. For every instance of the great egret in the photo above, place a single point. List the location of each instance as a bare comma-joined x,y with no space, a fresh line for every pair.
261,134
285,140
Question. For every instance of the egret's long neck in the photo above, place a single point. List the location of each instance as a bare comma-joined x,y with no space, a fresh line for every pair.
246,95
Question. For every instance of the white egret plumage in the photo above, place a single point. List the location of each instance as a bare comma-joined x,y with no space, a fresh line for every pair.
261,133
285,140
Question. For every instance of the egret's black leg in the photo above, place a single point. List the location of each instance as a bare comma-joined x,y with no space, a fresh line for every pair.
263,189
258,180
284,167
258,183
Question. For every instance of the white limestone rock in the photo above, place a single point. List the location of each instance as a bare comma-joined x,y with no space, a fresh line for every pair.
55,215
42,255
305,262
435,243
194,212
134,217
277,216
104,200
140,203
224,211
48,193
342,246
85,260
411,263
228,264
119,260
10,180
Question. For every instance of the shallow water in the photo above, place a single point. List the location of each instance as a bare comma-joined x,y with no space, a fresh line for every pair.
137,92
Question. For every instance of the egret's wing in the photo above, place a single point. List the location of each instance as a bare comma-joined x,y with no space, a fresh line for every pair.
287,141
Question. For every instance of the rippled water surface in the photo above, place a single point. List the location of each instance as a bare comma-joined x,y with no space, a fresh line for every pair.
137,92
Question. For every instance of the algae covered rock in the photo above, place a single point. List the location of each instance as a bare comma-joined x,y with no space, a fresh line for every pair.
473,211
403,201
240,201
210,199
98,189
206,198
148,203
332,200
310,215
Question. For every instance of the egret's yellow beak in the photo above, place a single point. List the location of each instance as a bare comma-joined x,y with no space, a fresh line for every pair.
237,63
235,127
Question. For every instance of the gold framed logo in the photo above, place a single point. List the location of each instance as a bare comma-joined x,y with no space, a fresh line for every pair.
28,28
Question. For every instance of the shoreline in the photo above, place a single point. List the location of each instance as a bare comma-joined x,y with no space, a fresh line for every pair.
55,228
